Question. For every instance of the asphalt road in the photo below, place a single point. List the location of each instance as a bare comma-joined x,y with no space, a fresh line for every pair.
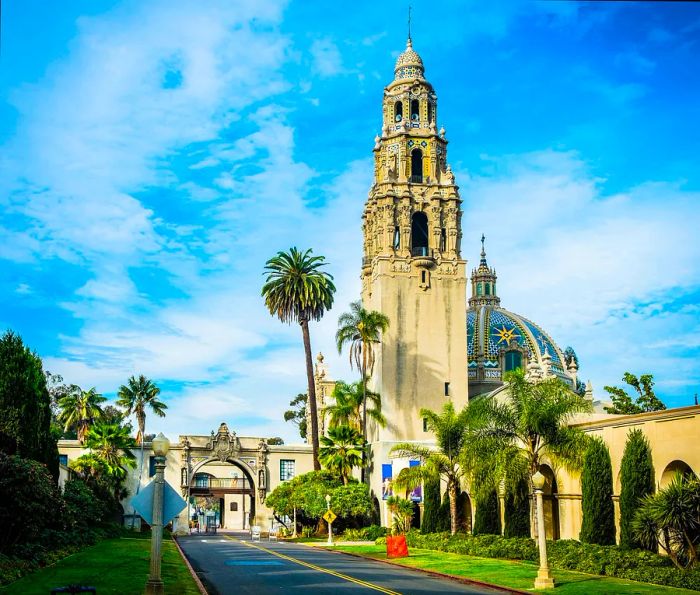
237,566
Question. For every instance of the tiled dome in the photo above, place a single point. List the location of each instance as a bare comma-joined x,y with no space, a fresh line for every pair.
409,64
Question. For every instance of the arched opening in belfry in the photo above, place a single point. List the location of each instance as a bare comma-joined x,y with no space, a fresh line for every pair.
397,239
417,166
419,234
398,111
415,110
430,112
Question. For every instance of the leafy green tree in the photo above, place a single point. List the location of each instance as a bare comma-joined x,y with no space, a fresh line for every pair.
297,290
297,415
112,415
516,511
275,441
431,505
671,519
341,450
487,517
512,438
646,399
80,409
348,406
636,481
598,523
450,429
136,396
25,407
444,520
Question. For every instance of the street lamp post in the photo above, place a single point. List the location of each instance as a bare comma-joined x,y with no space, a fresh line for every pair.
330,532
544,578
160,446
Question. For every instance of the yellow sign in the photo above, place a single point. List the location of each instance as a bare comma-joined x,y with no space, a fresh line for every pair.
329,517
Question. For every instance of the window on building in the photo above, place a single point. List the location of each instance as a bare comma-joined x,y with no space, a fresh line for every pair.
479,289
443,240
419,234
397,239
287,469
425,424
488,288
416,166
514,360
447,389
201,480
415,110
398,111
423,277
430,112
63,460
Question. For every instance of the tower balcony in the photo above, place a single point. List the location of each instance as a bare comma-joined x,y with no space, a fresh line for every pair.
422,257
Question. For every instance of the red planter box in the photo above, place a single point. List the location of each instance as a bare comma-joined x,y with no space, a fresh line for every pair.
396,546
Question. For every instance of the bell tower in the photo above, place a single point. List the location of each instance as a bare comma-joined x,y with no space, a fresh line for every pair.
412,266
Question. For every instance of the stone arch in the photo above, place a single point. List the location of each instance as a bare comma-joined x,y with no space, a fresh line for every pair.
419,234
550,501
676,466
239,465
417,166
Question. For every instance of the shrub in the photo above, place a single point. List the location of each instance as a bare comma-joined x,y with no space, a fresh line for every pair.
32,507
611,560
598,523
307,531
487,518
637,481
516,511
370,533
431,506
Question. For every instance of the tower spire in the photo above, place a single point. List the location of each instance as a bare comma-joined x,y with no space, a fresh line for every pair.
484,282
409,23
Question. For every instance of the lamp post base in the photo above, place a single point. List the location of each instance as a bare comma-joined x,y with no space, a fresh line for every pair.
544,579
154,587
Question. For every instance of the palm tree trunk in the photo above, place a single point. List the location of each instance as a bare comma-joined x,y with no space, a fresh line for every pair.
312,392
364,413
452,492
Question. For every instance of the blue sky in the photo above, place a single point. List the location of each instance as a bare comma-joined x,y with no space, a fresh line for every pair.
155,154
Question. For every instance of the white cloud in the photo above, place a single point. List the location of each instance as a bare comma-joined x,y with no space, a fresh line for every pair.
326,57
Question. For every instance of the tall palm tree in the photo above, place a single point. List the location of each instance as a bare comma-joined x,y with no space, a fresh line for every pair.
341,450
361,329
443,460
80,409
135,397
515,436
347,405
297,290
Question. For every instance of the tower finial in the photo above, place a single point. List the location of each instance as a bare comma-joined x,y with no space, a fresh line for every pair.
409,23
483,249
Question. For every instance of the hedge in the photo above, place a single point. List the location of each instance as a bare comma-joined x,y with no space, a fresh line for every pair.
610,560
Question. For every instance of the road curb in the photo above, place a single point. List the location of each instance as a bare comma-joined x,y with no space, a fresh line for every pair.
458,579
197,580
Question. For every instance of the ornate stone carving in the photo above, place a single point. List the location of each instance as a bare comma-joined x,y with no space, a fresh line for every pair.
263,449
224,445
401,266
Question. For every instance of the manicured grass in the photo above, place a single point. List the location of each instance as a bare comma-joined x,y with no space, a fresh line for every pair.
519,575
118,566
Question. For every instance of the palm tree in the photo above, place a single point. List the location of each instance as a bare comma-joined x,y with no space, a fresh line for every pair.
361,329
348,401
341,450
109,457
451,432
513,437
135,397
297,290
80,409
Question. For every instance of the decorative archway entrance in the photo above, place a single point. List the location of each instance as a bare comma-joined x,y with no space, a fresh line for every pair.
220,475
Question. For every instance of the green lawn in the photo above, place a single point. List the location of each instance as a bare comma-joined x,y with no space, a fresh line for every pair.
118,566
520,575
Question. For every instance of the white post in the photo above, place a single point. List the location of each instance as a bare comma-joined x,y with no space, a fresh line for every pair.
294,532
544,578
